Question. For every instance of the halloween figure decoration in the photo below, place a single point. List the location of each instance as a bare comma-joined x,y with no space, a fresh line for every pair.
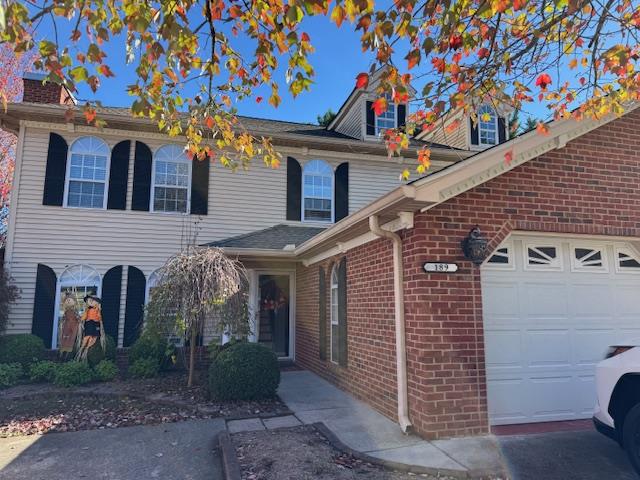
91,328
68,328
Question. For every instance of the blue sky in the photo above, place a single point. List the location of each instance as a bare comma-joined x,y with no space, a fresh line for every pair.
337,60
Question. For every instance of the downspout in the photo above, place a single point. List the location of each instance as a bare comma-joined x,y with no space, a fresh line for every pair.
398,292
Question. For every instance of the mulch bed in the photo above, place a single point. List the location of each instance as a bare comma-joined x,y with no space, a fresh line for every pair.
37,409
304,453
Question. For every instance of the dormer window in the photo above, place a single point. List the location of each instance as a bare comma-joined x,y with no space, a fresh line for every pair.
388,118
487,126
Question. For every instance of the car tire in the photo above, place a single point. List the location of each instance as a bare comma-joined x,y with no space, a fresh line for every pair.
631,436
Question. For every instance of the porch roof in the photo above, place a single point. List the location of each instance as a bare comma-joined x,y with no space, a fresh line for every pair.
279,237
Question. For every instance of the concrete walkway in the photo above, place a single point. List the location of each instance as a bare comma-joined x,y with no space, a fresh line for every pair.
182,450
313,399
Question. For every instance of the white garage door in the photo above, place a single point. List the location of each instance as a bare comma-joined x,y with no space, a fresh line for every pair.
551,308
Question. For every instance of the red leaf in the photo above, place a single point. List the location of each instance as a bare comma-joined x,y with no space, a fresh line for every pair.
379,106
543,81
508,157
362,80
455,42
305,37
258,99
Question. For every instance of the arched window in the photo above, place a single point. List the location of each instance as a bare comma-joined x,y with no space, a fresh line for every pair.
154,278
334,314
77,281
317,191
87,173
171,180
487,125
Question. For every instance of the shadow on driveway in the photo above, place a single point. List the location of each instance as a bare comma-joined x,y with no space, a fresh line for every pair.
579,455
182,450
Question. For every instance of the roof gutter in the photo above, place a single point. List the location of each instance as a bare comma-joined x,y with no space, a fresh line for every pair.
401,348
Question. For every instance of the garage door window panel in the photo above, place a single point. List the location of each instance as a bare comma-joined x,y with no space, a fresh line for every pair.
627,261
501,258
543,257
589,259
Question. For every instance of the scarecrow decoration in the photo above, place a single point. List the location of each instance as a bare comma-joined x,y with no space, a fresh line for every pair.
68,329
91,329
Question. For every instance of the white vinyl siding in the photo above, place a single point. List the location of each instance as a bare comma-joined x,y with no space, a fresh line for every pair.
62,237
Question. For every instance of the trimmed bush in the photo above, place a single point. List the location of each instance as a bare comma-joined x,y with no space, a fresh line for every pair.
10,374
24,349
216,349
44,371
95,354
244,371
106,371
149,346
144,368
71,374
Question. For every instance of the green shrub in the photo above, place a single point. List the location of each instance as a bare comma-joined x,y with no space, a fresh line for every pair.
149,346
244,371
217,348
43,371
95,354
106,371
10,374
23,348
144,368
71,374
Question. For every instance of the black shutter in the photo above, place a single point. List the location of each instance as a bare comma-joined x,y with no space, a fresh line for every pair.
44,304
371,119
294,189
141,178
342,313
322,313
502,130
200,186
55,171
474,132
111,288
134,306
402,115
341,191
118,176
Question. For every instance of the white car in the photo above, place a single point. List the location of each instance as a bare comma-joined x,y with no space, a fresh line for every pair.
617,412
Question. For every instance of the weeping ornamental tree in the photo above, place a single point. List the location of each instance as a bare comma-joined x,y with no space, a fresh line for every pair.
199,289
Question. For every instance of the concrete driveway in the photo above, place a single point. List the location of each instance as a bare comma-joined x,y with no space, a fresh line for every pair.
183,450
577,455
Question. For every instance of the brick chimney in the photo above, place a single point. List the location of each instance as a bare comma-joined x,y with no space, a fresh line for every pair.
37,92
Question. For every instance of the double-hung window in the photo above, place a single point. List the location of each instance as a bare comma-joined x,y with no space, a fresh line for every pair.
171,180
388,118
334,314
87,173
317,192
487,125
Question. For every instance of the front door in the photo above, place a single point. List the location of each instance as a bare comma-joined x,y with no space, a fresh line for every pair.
274,296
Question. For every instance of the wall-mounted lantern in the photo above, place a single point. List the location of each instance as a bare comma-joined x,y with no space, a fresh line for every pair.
474,246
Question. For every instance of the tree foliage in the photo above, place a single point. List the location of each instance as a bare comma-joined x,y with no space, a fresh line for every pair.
561,53
326,118
198,290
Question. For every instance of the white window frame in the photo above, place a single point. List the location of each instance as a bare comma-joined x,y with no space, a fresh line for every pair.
59,284
496,125
333,194
334,318
67,174
391,103
629,251
510,265
576,266
153,182
555,266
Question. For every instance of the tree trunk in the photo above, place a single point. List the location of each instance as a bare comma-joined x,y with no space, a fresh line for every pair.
192,356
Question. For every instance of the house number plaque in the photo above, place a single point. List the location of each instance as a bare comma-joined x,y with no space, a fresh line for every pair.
432,267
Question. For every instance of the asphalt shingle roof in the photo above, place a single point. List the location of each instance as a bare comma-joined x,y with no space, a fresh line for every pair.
272,238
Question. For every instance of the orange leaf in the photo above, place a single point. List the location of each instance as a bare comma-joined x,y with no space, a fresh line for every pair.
543,81
362,80
379,106
542,128
209,121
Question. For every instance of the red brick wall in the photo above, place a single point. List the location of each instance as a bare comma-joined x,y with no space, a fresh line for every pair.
588,187
37,92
